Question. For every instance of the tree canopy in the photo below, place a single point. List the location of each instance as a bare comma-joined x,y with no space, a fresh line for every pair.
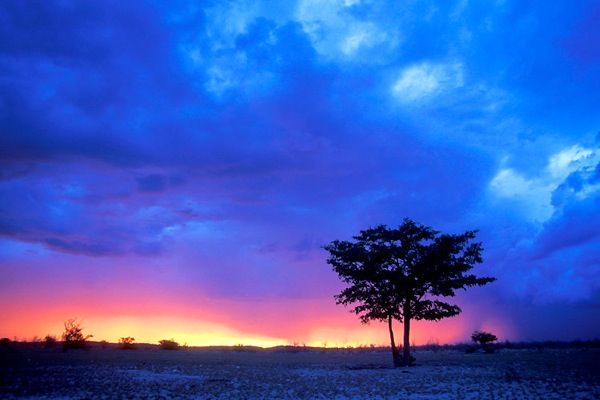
483,338
404,274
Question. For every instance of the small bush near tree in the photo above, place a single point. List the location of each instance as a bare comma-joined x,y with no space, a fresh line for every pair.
127,343
73,337
484,339
168,344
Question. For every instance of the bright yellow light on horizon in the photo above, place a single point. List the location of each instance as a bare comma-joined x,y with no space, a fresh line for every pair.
193,332
183,331
203,333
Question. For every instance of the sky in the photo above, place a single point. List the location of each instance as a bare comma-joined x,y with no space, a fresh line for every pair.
172,169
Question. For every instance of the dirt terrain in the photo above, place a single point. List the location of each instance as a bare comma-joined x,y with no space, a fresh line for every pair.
248,373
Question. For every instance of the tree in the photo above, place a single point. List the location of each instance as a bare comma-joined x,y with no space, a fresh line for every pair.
50,340
483,338
168,344
73,336
404,274
127,343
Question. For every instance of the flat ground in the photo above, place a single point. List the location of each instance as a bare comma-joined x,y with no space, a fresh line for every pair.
246,373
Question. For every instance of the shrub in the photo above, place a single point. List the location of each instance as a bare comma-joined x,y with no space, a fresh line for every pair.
432,346
4,341
239,347
168,344
127,343
73,337
50,341
484,338
412,361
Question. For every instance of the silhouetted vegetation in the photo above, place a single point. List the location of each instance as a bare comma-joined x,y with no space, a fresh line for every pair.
127,343
484,339
50,341
168,344
73,337
550,344
5,341
403,274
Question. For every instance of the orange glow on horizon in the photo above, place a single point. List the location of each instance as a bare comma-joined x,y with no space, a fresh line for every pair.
149,313
182,330
228,322
194,332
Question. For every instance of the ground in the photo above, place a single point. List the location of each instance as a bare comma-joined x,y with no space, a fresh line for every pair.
247,373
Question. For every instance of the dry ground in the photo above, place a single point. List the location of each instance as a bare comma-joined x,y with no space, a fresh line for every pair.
150,373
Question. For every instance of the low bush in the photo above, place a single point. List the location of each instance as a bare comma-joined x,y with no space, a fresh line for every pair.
73,337
484,339
239,347
168,344
50,341
127,343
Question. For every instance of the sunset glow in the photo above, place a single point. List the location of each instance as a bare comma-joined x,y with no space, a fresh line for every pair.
173,169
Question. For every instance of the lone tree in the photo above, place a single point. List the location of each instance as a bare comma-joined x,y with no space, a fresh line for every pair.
73,337
483,338
404,274
127,343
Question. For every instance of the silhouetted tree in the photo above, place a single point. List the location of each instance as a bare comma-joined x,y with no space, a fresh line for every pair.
403,274
50,341
168,344
127,343
73,337
484,338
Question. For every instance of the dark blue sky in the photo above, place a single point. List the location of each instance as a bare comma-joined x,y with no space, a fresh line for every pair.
195,155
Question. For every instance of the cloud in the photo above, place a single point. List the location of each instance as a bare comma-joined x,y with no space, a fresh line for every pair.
572,159
88,93
363,35
535,194
532,195
564,204
349,31
256,60
426,81
87,212
216,146
151,183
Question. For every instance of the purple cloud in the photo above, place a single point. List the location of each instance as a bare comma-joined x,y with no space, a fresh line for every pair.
216,147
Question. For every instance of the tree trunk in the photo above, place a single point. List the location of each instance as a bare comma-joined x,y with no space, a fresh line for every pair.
406,346
395,352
